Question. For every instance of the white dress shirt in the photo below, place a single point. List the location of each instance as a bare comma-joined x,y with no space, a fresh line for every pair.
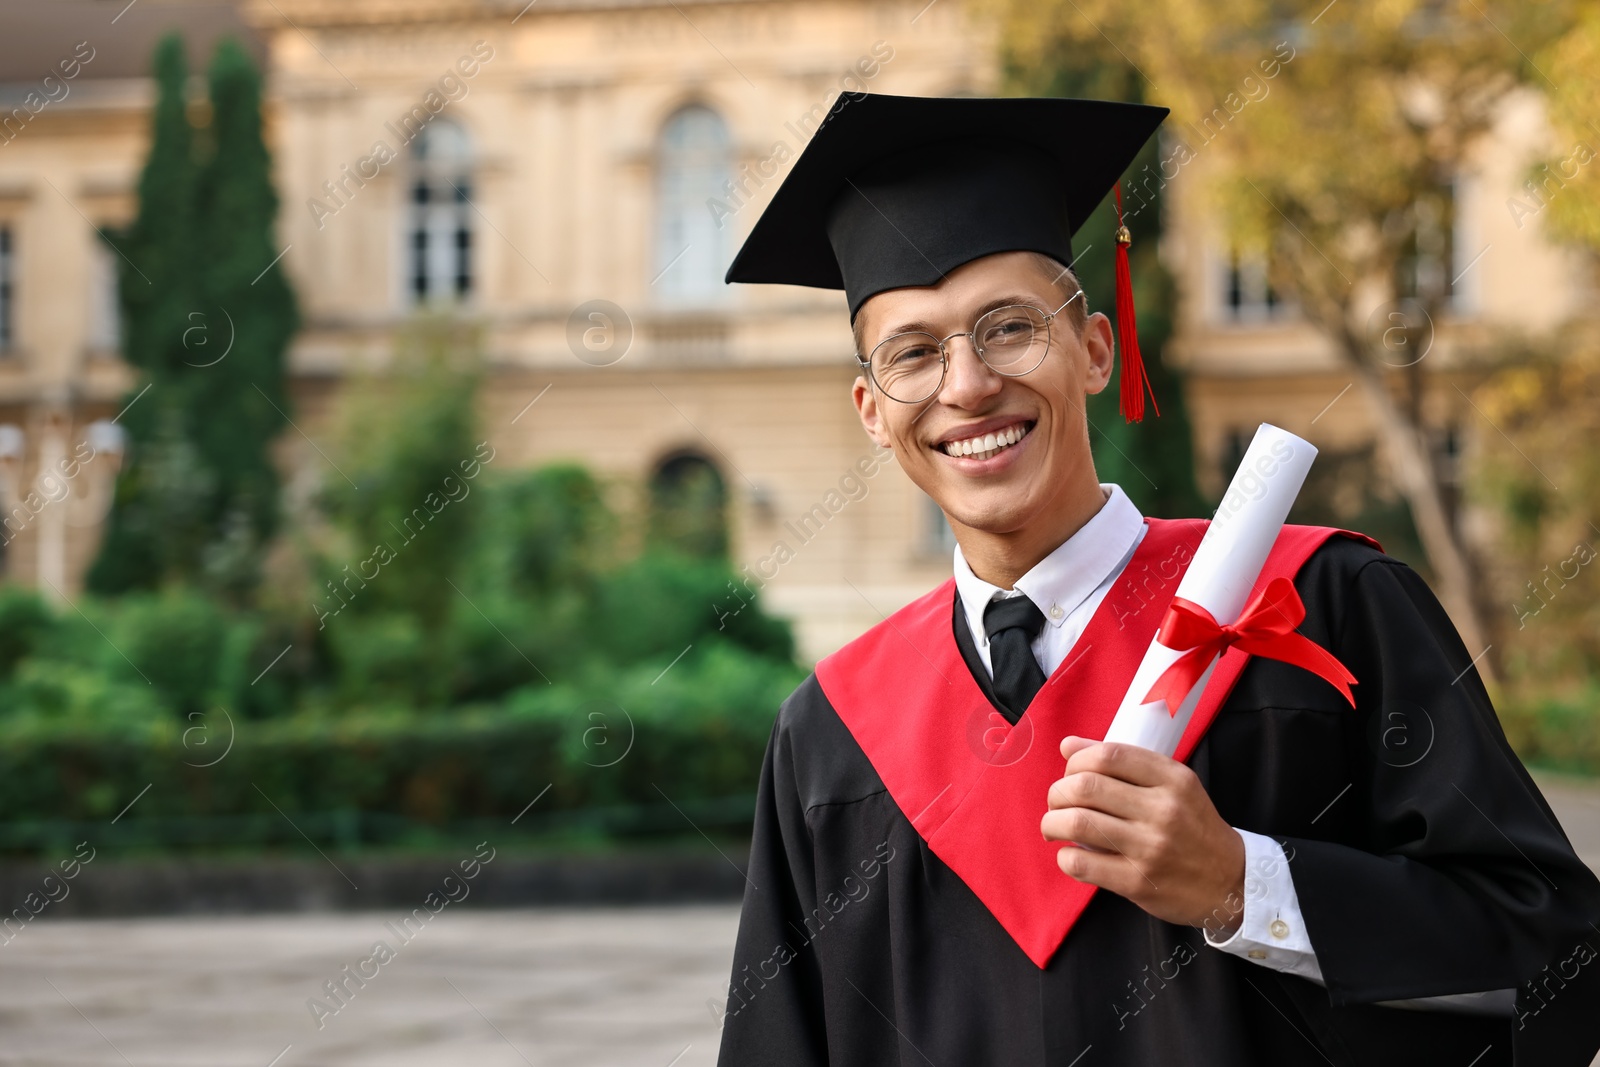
1068,585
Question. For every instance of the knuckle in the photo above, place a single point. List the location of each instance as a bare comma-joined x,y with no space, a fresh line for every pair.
1168,810
1078,823
1175,811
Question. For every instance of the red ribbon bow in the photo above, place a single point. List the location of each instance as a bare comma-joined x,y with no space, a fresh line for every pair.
1266,628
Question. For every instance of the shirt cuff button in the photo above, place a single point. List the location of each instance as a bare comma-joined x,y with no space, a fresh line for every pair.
1279,928
1256,954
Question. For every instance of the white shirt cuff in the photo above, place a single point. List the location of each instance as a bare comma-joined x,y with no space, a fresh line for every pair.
1273,932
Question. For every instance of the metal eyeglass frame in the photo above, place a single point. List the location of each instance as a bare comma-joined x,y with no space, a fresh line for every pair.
972,337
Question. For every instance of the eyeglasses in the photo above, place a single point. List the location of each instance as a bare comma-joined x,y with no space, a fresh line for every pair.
1011,340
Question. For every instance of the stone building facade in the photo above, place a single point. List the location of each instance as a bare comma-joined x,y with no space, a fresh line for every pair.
573,176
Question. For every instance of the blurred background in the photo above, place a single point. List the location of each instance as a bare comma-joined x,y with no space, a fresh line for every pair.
399,512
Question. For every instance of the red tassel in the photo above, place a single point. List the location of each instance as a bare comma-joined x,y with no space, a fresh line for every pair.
1134,381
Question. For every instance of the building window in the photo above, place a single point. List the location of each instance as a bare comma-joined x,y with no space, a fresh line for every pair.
8,291
1247,292
689,506
1432,269
440,242
105,314
694,164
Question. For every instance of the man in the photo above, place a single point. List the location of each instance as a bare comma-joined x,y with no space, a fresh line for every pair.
949,867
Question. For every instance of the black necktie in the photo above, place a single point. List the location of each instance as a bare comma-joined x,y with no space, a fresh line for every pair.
1012,623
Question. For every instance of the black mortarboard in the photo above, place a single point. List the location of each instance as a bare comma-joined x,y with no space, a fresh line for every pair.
896,191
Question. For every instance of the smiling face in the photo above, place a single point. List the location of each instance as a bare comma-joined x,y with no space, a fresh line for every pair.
1006,458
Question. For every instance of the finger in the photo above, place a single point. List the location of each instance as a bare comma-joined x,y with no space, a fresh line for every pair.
1128,763
1102,793
1095,829
1087,867
1107,870
1073,744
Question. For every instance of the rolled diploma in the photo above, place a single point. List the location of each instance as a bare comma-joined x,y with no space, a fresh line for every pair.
1220,576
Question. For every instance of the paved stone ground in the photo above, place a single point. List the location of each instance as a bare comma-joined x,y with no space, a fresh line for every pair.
1577,804
613,987
587,988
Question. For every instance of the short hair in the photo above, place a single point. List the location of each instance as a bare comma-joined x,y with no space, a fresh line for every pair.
1061,277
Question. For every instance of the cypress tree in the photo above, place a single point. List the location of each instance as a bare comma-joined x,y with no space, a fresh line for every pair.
157,289
239,401
198,497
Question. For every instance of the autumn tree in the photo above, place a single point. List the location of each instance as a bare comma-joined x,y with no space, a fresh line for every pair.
1344,181
1567,183
1546,493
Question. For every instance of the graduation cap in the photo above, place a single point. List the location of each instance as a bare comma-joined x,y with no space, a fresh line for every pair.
897,191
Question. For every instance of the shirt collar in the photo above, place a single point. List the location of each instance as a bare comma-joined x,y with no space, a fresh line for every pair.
1065,578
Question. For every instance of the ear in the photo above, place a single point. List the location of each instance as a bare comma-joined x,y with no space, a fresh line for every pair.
1101,350
866,401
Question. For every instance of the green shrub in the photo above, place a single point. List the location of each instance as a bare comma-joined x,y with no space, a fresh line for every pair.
174,641
1559,730
635,737
26,625
663,603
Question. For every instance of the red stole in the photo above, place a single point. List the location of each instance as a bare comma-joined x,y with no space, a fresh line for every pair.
974,786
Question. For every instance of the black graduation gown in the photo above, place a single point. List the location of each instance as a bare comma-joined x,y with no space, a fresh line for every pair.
1431,874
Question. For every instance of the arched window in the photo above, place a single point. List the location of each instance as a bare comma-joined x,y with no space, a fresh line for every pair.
694,164
689,506
441,214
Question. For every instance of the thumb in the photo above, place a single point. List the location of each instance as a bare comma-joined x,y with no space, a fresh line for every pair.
1073,744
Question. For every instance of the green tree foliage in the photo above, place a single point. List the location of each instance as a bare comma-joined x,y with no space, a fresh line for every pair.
207,325
408,464
157,290
240,399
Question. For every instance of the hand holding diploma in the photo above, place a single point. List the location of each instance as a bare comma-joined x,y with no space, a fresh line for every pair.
1151,833
1145,827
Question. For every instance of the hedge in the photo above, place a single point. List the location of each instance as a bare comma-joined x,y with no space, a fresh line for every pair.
639,738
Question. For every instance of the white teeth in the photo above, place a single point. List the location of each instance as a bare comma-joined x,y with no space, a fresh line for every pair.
987,445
